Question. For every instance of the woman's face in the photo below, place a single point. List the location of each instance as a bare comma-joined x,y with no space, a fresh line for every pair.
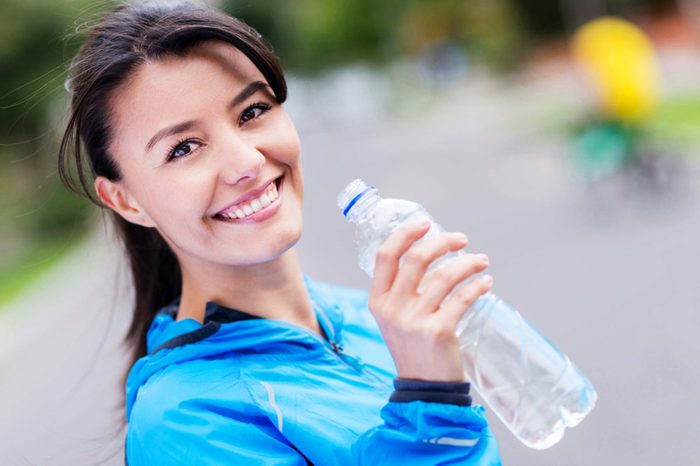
201,141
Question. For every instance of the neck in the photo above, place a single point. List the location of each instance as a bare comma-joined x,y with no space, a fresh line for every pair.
272,290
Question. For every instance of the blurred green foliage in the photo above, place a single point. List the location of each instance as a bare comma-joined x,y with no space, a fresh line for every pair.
39,219
311,35
676,122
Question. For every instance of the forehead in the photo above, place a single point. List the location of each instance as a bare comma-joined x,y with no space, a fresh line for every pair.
178,88
219,60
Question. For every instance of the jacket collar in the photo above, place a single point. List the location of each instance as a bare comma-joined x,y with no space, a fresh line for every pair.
166,332
213,312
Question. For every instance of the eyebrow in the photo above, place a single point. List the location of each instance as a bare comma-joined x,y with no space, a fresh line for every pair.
247,91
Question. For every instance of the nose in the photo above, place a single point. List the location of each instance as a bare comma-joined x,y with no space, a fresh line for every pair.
240,159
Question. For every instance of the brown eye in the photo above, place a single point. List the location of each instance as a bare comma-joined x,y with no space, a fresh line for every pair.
254,111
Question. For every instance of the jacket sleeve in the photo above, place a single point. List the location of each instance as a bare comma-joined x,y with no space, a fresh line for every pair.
191,433
445,429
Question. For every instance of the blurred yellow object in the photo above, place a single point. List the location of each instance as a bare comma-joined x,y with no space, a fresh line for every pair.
621,62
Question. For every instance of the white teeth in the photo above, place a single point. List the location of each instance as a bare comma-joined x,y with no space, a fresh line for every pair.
267,198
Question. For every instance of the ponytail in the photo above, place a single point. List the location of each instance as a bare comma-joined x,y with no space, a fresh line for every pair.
156,276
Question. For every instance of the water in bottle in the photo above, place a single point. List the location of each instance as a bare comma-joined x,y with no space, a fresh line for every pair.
528,382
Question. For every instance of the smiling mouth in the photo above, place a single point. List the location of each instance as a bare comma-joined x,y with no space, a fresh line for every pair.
256,209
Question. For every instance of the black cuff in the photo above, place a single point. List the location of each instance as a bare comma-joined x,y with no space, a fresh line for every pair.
406,390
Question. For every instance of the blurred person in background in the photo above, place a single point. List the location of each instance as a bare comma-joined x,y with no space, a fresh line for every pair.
239,357
620,63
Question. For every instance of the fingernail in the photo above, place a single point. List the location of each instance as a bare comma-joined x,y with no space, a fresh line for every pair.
488,279
483,258
423,223
461,236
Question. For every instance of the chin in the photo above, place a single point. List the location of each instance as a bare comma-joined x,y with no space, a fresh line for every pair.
270,250
287,240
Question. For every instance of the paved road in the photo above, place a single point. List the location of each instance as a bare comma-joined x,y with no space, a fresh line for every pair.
609,274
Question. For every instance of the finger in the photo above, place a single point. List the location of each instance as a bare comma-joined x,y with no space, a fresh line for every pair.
464,298
437,284
386,262
418,259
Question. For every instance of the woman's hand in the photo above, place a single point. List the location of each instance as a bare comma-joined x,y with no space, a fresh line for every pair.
406,301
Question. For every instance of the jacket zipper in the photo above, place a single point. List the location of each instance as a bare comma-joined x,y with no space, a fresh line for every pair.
335,346
337,349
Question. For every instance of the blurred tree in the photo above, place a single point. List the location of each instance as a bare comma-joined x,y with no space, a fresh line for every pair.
547,18
310,35
35,48
36,42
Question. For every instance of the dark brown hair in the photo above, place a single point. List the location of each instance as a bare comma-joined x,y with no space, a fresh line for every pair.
115,47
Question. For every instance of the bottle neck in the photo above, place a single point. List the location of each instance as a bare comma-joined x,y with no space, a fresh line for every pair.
360,207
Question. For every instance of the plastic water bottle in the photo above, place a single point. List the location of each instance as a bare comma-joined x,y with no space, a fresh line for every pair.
527,381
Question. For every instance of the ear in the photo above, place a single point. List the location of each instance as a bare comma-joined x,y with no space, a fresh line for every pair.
117,197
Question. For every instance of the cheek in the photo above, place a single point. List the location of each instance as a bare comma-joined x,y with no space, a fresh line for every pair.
176,199
286,140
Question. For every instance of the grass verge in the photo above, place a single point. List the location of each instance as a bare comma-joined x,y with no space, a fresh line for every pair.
33,264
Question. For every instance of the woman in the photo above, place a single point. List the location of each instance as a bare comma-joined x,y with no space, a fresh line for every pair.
240,358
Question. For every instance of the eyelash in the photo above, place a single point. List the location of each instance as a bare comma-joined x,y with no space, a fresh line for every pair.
254,106
264,106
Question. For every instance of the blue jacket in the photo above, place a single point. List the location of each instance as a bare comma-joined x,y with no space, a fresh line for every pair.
245,390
